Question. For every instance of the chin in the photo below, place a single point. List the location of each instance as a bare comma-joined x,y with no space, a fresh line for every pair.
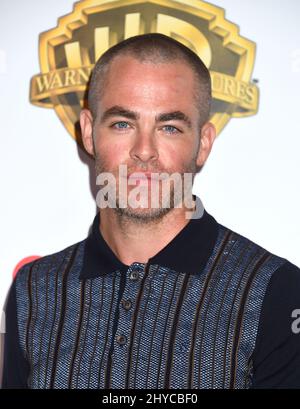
142,215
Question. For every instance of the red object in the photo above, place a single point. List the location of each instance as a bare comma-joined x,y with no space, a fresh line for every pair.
22,262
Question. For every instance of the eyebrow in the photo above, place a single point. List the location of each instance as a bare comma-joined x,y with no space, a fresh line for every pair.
175,115
117,110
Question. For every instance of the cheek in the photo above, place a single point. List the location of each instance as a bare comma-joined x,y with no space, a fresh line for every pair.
112,153
176,157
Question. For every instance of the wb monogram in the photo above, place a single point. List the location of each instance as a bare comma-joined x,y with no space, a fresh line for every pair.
69,52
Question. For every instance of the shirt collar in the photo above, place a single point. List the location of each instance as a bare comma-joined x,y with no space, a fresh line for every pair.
187,252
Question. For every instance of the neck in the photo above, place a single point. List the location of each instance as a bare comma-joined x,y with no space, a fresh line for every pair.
137,241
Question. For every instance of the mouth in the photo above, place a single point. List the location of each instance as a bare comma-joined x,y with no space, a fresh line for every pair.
140,175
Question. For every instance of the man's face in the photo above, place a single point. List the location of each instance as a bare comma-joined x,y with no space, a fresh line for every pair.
146,119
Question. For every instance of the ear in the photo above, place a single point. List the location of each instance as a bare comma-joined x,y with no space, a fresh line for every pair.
86,125
208,136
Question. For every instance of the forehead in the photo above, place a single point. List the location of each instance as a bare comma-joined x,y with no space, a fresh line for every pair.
123,63
127,77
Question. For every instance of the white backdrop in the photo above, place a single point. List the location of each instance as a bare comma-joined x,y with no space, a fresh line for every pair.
250,182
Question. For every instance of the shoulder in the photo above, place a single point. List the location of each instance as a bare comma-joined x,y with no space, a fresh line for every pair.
283,284
286,280
54,262
278,276
248,252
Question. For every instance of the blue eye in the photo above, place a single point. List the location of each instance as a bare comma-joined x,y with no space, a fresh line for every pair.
171,129
120,125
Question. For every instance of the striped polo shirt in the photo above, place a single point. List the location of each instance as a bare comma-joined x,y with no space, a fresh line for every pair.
189,318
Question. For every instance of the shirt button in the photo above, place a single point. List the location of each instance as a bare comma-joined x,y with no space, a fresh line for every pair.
134,275
126,304
121,339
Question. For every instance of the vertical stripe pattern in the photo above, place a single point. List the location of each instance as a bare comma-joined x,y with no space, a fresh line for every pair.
180,330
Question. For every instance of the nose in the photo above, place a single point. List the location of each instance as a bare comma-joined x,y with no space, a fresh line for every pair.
144,148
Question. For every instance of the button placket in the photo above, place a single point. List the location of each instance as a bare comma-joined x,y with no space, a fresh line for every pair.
130,292
126,304
121,339
134,276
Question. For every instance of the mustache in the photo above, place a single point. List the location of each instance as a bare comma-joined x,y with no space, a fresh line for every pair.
102,165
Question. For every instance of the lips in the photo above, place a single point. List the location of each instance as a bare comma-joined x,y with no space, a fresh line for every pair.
142,175
147,176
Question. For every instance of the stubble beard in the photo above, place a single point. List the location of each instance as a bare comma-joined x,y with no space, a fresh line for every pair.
148,214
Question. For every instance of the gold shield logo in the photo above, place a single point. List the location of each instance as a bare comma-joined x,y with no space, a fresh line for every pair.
69,52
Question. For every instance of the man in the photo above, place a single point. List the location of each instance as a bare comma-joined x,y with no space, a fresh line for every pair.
155,296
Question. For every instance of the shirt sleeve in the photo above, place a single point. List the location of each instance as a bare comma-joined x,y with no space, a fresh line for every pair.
15,366
276,358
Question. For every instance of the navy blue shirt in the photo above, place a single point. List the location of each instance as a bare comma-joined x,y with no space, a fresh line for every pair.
276,358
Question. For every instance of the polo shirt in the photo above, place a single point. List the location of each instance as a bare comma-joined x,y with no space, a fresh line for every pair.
189,318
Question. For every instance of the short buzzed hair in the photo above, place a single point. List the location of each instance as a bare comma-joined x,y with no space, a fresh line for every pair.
157,49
